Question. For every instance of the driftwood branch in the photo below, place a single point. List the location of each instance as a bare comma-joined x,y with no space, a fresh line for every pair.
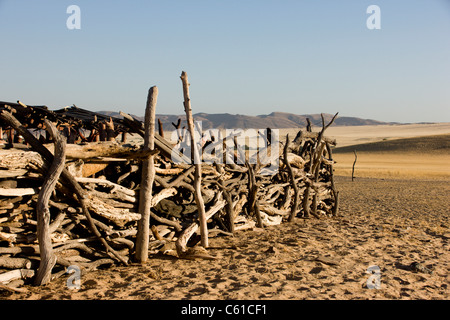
195,157
292,180
48,258
353,166
148,176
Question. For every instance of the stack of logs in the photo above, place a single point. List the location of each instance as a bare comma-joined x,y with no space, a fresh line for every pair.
93,208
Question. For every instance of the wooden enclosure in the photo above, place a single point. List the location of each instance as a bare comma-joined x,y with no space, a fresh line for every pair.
67,198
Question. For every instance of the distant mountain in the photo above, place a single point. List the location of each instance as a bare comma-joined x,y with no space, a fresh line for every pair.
275,120
436,144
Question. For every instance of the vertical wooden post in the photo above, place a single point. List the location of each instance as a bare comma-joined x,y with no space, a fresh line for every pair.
160,128
148,176
124,137
227,196
195,156
292,179
48,258
335,210
11,136
353,167
110,133
253,204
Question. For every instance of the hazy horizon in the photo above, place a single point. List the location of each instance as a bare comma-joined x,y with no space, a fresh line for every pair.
242,57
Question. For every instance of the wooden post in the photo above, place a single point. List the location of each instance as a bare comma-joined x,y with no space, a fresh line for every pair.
11,136
124,137
335,210
148,176
195,157
160,128
292,178
353,167
253,204
110,133
48,258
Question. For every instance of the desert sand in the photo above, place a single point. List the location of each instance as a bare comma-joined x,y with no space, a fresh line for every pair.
351,135
386,223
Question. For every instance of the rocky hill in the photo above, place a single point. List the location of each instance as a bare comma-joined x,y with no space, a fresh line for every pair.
274,120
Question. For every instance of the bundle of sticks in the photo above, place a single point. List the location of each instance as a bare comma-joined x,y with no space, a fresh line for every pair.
68,204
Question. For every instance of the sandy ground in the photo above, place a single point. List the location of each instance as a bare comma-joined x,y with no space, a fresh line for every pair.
386,223
382,165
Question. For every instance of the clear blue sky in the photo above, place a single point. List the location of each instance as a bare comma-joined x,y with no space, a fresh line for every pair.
242,57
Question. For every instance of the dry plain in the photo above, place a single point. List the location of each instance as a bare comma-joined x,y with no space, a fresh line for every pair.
394,214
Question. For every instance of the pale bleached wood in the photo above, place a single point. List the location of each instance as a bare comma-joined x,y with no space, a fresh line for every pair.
163,194
14,263
253,203
48,258
16,192
15,275
148,176
104,149
4,174
292,180
195,157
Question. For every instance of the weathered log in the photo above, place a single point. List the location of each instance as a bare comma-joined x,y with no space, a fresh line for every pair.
105,149
26,250
163,194
16,192
9,276
148,175
48,259
292,179
195,157
4,174
14,263
253,204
